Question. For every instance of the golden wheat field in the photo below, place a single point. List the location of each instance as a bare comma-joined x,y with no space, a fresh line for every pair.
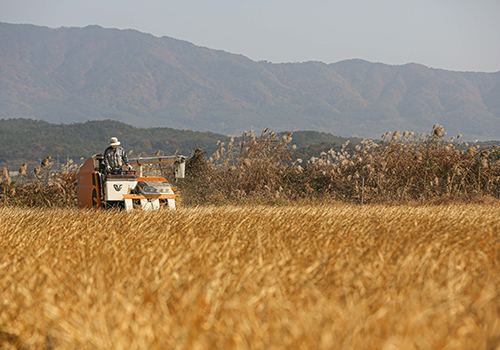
256,277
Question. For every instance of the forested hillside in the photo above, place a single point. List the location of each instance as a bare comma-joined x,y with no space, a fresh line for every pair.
26,140
33,140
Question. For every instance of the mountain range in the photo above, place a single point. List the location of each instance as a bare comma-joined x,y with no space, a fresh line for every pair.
68,75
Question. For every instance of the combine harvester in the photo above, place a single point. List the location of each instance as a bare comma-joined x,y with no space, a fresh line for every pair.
96,189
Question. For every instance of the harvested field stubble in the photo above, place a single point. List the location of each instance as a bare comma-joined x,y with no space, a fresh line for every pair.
318,277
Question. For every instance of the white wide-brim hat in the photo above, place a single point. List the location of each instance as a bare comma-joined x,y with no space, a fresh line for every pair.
114,142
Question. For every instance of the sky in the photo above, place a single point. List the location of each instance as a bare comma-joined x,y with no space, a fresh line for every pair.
459,35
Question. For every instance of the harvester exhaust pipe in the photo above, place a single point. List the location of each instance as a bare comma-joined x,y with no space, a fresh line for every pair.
179,163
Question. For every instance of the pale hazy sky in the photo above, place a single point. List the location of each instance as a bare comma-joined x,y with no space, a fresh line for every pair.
461,35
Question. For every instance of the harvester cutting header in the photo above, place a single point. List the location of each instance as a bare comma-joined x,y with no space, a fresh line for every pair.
98,187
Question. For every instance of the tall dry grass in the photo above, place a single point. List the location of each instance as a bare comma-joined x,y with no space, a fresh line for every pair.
315,277
402,168
254,167
44,186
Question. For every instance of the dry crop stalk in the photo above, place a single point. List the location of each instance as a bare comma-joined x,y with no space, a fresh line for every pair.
251,277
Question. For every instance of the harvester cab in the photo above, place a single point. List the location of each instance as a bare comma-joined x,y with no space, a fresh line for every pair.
96,189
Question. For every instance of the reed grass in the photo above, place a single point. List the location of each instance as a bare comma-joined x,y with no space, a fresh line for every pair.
402,168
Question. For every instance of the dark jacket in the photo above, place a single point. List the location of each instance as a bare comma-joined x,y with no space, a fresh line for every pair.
115,158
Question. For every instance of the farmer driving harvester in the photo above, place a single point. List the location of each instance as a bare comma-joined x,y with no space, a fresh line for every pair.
114,158
103,184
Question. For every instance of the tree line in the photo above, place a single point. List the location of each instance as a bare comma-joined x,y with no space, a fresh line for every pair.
27,140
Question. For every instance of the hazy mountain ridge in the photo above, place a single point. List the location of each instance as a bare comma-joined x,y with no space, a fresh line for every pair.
76,74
